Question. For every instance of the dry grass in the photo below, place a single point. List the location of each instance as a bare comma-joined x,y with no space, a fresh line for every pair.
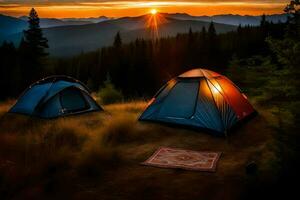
98,155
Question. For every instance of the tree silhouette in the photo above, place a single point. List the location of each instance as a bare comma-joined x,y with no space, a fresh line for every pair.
34,35
211,30
293,9
263,20
203,33
118,40
33,48
212,43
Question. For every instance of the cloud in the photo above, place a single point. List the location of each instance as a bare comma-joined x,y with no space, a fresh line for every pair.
50,8
136,3
47,2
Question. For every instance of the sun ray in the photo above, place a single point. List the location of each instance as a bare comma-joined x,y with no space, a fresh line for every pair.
155,19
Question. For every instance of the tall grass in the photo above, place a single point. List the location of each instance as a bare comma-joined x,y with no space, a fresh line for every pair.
98,155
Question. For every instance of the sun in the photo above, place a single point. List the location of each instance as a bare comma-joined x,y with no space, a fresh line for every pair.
155,19
153,11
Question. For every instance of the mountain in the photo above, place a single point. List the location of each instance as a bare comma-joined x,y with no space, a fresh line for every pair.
71,40
90,19
232,19
173,26
52,22
69,37
10,25
74,39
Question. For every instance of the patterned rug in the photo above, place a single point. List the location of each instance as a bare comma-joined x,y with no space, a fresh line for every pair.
184,159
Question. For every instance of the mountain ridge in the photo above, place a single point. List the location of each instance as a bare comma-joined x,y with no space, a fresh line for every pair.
232,19
72,39
103,33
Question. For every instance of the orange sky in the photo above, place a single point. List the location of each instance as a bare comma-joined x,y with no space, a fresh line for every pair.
118,8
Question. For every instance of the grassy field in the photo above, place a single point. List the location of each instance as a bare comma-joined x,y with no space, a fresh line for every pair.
98,156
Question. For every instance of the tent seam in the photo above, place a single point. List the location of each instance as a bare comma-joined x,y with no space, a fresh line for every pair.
40,101
216,103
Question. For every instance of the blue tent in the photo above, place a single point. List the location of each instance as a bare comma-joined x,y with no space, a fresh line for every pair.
201,99
55,96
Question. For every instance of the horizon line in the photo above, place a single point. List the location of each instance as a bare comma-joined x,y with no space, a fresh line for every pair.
89,17
131,8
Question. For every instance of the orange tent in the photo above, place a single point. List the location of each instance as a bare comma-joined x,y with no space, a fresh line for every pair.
200,98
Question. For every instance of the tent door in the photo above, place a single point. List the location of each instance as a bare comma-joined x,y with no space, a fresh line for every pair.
181,100
73,101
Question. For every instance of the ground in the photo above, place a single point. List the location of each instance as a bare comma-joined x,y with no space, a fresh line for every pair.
98,156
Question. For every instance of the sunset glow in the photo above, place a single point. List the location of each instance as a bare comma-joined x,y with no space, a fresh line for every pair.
115,8
154,20
153,11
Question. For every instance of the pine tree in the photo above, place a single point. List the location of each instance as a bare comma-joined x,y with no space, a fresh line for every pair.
212,46
118,40
191,37
264,26
117,70
211,30
190,32
33,48
203,33
34,35
191,49
263,20
239,29
293,9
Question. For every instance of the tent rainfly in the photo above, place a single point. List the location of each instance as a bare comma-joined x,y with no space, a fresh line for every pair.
55,96
201,99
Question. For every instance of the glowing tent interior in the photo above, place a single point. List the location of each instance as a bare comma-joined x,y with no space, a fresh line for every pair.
55,96
202,99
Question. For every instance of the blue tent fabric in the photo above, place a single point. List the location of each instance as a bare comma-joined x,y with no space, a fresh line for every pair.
207,114
29,100
54,97
52,108
176,104
59,86
202,110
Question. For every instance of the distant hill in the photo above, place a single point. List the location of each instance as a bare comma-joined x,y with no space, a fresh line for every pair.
71,36
174,26
90,19
232,19
10,25
72,40
52,22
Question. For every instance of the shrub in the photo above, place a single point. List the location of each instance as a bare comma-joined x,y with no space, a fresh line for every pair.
109,94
